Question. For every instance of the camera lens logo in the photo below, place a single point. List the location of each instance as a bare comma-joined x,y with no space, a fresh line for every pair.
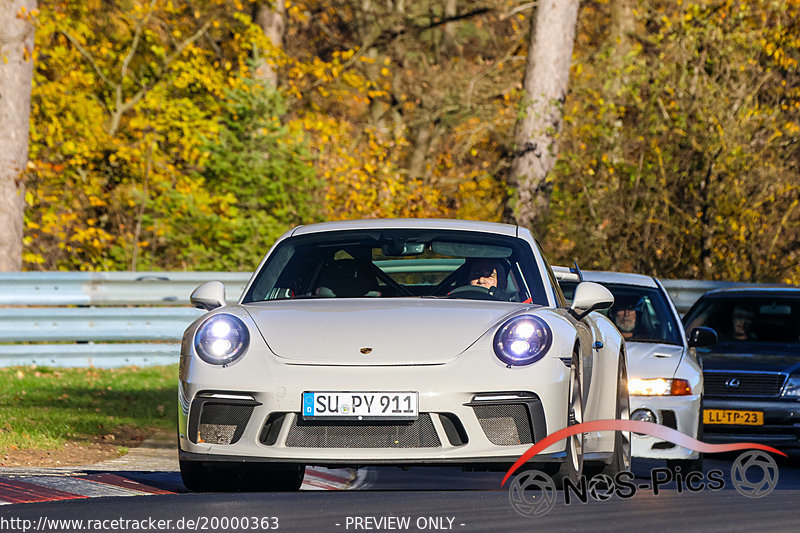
532,493
754,474
601,487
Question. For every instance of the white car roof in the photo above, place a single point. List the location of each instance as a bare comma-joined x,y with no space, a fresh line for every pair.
600,276
410,223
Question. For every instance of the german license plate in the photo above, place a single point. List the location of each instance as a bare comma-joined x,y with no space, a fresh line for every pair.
360,405
736,418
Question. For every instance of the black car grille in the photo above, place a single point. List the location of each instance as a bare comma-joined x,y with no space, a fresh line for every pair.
223,423
505,424
417,434
749,384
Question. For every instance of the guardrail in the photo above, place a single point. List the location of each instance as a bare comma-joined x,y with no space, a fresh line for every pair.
685,293
103,319
110,288
109,319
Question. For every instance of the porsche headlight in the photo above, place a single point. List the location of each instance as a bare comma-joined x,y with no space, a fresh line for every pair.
522,340
221,339
792,388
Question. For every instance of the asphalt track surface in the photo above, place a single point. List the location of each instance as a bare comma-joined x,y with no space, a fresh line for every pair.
127,496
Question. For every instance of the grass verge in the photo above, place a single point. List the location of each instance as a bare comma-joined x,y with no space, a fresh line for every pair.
44,408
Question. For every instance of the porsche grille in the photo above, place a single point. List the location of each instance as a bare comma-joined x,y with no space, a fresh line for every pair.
223,423
505,424
417,434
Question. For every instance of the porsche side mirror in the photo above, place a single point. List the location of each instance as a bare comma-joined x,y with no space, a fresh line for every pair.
701,337
590,297
208,296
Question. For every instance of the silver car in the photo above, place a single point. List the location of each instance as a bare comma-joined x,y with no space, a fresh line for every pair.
665,379
397,342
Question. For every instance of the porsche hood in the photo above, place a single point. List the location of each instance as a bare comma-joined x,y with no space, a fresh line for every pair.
375,331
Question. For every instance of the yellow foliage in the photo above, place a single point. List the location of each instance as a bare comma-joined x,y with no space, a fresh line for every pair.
103,164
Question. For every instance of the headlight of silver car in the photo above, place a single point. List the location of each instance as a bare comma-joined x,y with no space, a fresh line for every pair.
522,340
792,388
659,387
221,339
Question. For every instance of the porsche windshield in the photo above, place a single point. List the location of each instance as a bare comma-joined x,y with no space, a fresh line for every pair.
400,263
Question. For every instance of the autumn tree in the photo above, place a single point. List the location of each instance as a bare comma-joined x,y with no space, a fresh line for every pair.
128,103
156,142
438,101
688,165
16,71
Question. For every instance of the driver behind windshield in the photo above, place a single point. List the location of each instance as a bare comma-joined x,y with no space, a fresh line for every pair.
489,274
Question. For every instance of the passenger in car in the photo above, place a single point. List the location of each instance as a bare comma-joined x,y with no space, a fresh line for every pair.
347,278
742,323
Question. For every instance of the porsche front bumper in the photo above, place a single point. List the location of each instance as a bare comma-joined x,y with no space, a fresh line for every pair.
464,417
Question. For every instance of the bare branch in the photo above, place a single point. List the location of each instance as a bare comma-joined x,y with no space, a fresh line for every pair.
518,9
181,47
123,107
782,225
136,37
389,36
89,58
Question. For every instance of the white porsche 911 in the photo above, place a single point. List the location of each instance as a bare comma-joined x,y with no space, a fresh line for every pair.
397,342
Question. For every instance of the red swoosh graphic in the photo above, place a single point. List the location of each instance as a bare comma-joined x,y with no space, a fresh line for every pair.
637,426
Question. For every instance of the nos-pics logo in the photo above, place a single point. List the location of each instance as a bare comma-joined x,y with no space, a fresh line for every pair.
533,493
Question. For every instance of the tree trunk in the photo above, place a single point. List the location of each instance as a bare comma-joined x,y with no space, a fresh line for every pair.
622,25
419,155
271,17
545,89
449,42
16,73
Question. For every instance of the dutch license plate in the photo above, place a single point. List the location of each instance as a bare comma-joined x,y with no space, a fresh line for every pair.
360,405
737,418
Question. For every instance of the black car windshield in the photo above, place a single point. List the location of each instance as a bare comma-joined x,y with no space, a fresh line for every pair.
739,319
400,263
642,314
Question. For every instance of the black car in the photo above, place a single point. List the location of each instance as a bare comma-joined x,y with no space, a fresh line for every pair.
752,375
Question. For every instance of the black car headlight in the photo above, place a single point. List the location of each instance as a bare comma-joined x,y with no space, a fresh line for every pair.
522,340
221,339
792,387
